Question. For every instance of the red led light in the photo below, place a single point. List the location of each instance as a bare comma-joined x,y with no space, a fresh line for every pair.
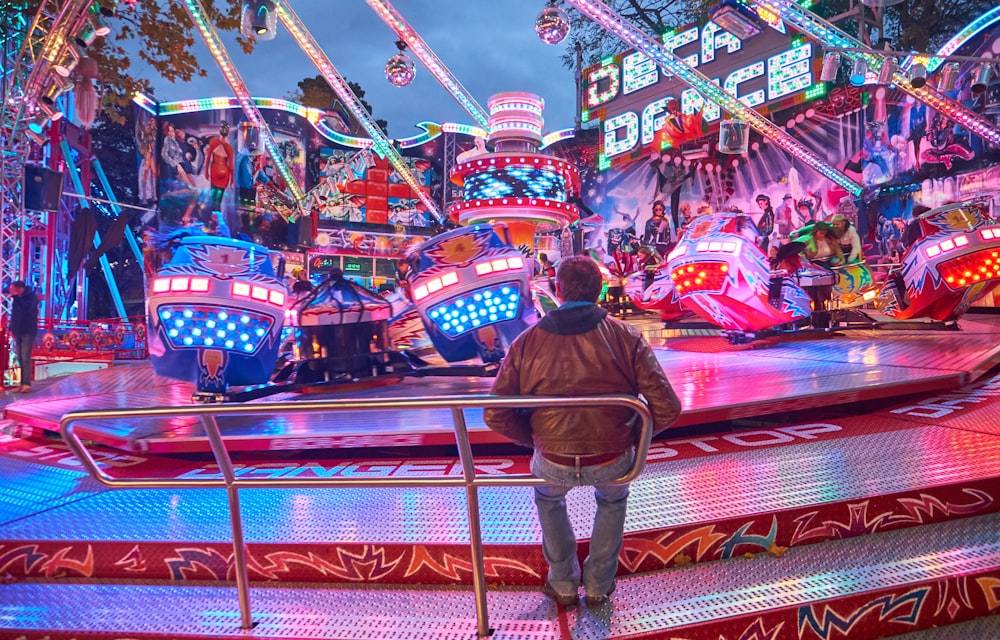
973,267
700,277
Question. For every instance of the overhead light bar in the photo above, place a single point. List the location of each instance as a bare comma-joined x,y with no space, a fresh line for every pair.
737,18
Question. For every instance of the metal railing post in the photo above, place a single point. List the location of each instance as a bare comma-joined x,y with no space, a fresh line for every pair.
475,531
235,517
456,404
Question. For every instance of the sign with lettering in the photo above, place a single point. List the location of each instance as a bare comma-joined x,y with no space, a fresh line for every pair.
629,93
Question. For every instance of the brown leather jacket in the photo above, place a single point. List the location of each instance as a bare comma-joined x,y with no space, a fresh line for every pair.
577,350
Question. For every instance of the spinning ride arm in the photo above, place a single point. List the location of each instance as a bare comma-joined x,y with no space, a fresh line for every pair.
618,26
218,51
830,36
380,144
407,34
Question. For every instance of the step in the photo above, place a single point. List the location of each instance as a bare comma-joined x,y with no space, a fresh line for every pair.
700,499
866,587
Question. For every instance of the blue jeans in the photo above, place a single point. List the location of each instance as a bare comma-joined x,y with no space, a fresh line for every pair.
22,346
558,541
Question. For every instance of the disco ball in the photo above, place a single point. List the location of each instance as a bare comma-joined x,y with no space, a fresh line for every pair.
399,70
552,25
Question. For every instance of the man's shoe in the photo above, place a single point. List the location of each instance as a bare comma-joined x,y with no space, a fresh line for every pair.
566,601
597,601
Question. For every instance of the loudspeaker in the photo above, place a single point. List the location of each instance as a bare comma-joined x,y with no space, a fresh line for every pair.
42,188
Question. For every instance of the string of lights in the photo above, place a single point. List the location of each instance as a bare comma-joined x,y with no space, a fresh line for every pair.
380,143
232,76
640,41
832,37
407,34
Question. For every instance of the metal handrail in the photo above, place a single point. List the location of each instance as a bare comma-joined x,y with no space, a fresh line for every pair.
469,479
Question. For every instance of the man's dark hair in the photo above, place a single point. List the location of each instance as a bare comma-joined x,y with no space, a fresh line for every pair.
579,279
764,197
18,284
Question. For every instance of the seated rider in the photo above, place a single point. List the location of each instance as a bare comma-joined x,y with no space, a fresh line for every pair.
821,247
848,239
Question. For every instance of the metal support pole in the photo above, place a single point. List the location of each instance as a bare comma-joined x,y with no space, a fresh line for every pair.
475,532
235,517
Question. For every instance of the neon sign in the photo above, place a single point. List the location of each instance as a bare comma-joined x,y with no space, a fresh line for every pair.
629,92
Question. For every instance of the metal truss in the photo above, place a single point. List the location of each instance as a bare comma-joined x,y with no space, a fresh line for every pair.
618,26
830,36
381,145
29,52
235,81
426,55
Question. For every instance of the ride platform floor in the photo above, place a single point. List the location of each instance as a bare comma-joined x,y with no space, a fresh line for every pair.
715,380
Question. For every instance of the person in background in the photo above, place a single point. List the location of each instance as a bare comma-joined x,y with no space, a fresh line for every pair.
848,238
300,281
24,327
822,246
578,350
402,276
647,259
546,268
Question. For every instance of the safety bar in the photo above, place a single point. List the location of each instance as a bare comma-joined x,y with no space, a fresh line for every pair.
469,479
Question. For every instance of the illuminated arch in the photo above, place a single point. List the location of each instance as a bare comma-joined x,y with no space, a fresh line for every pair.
984,21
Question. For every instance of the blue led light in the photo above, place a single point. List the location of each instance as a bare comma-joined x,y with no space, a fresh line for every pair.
460,314
515,182
198,326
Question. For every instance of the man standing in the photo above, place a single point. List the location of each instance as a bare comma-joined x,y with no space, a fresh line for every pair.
24,327
578,350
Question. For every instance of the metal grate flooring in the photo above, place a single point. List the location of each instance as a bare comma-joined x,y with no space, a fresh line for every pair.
667,600
668,494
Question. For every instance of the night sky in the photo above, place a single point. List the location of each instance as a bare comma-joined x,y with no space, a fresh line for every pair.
489,46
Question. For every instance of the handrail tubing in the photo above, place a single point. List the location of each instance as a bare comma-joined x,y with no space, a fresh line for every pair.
69,421
470,479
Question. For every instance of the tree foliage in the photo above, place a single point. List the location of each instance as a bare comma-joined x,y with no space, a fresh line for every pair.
652,16
153,37
317,93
